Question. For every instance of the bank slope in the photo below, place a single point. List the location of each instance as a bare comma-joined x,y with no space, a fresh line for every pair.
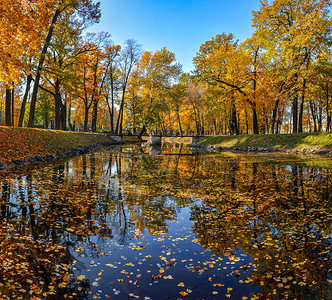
320,143
21,146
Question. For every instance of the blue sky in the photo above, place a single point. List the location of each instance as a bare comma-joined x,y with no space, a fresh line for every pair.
179,25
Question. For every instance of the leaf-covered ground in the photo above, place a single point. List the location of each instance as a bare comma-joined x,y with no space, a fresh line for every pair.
20,143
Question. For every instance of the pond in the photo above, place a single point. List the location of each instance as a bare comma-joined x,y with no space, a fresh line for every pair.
146,223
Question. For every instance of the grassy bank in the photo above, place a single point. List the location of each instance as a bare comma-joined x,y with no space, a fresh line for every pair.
295,141
22,143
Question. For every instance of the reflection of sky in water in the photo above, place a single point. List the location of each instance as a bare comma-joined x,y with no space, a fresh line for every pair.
156,225
135,265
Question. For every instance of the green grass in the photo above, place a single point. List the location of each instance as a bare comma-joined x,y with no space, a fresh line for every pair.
274,141
278,158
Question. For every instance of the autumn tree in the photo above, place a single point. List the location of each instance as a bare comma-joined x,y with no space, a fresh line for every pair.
294,33
92,72
319,92
112,79
129,55
59,69
88,11
195,98
176,97
222,63
155,73
134,106
20,39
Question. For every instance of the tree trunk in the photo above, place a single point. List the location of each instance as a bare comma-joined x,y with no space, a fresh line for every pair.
95,115
121,121
60,109
233,124
215,126
8,110
196,118
63,116
112,98
320,119
274,116
57,105
247,125
328,123
328,113
86,118
300,127
46,120
118,129
295,113
312,108
199,128
24,101
253,106
39,68
13,107
238,122
71,125
255,120
110,113
179,121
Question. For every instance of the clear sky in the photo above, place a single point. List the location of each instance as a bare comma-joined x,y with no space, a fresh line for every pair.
179,25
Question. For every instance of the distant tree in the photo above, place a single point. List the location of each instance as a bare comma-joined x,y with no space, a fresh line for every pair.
155,74
129,55
112,84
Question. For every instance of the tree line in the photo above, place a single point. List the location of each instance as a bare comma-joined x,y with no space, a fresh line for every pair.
56,75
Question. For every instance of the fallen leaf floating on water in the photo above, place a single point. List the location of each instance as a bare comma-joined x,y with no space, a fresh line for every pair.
80,277
155,277
278,230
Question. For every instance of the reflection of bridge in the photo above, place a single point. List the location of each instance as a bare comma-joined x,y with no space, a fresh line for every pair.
152,139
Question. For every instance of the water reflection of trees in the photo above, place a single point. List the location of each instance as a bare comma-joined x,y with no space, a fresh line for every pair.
35,248
49,214
278,214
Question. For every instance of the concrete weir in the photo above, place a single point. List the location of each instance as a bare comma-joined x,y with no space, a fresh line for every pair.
154,140
115,138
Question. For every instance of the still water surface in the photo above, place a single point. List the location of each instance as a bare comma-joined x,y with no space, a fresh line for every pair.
133,222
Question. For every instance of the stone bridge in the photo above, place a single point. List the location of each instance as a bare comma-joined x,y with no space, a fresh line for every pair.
152,139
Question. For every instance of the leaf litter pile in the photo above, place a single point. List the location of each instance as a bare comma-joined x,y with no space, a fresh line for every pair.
122,224
22,143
